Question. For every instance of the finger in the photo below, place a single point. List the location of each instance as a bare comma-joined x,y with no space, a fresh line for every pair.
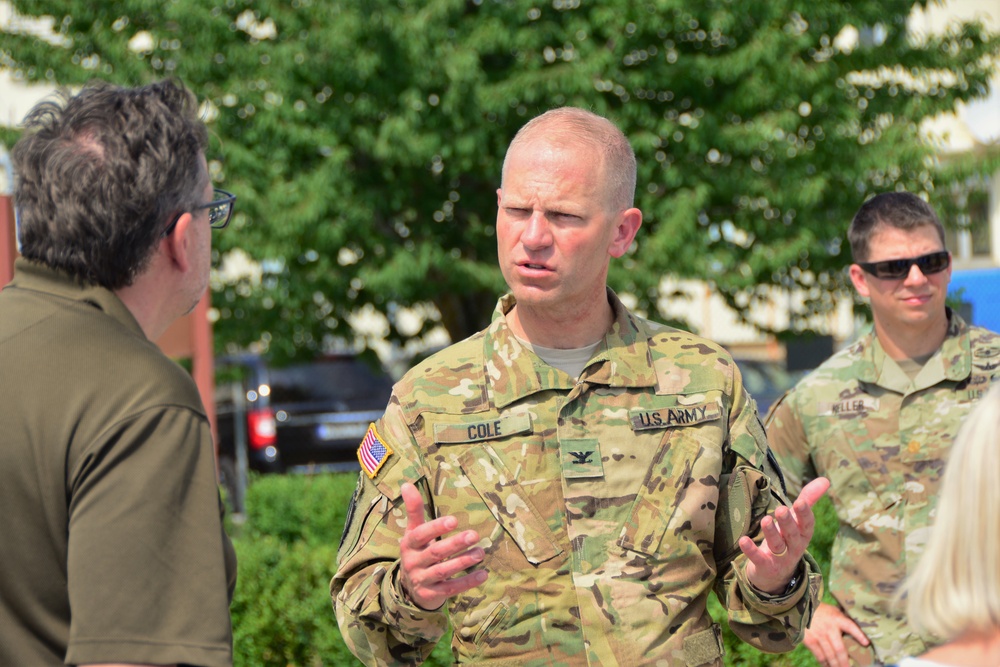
836,652
414,504
451,587
448,568
772,536
816,642
852,628
804,517
795,523
814,490
450,547
830,656
427,533
752,551
760,559
823,651
419,531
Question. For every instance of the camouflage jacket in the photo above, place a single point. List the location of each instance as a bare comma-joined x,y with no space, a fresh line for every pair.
882,441
595,500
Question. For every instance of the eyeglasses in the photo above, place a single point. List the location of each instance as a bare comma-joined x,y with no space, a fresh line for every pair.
893,269
220,209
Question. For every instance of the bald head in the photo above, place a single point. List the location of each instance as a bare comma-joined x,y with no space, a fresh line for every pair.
571,127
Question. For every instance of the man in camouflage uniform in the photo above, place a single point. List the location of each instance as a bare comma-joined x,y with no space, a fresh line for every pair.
878,419
567,486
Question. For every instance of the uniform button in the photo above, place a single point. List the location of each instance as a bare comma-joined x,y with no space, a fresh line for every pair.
914,446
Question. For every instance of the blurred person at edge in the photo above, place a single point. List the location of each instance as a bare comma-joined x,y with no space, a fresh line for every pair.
569,485
953,594
113,547
878,419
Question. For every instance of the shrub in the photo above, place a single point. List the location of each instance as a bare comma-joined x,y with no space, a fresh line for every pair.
299,508
281,611
287,551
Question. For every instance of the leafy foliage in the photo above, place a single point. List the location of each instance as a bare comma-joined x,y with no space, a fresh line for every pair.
365,138
287,552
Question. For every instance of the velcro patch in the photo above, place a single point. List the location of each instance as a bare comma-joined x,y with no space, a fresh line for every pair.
975,387
373,452
680,415
851,407
490,429
580,458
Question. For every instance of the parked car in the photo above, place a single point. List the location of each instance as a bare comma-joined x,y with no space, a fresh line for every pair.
303,417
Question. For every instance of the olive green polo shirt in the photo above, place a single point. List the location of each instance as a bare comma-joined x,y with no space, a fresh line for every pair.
112,542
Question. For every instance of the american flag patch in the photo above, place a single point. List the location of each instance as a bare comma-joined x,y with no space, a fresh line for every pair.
373,452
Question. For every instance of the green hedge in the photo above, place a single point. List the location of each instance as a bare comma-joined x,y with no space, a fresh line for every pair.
287,550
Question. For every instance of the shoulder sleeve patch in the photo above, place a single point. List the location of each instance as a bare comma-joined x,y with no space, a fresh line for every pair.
373,452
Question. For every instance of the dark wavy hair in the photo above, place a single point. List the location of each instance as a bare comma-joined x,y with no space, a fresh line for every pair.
99,175
902,210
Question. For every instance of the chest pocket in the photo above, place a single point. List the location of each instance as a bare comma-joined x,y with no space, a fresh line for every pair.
680,490
507,502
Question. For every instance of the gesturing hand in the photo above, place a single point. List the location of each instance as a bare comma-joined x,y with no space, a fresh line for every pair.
786,536
429,561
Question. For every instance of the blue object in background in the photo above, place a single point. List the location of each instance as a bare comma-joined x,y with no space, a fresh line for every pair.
981,288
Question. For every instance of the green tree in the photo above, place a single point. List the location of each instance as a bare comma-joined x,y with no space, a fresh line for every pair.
365,137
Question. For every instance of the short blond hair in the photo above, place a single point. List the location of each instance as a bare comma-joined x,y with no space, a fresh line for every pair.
571,125
956,585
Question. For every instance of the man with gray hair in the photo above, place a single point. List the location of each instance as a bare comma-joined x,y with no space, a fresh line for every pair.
570,484
113,548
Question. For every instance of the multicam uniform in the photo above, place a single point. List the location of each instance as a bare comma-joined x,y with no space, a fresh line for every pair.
596,501
882,442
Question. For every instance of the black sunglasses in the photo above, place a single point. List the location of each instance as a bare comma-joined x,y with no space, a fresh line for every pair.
935,262
220,209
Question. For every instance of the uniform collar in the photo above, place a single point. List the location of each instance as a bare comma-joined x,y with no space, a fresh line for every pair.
37,277
514,372
953,358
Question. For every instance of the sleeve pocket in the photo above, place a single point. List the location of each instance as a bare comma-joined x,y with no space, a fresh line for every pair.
743,501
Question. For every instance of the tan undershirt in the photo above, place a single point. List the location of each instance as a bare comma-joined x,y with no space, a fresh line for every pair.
572,362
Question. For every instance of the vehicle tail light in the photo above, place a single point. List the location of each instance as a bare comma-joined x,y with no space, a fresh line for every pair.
261,428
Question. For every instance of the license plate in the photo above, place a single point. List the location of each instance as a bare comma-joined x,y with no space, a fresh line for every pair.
341,431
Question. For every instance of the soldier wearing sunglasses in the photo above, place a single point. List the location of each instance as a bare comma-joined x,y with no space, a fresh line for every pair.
111,535
878,419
